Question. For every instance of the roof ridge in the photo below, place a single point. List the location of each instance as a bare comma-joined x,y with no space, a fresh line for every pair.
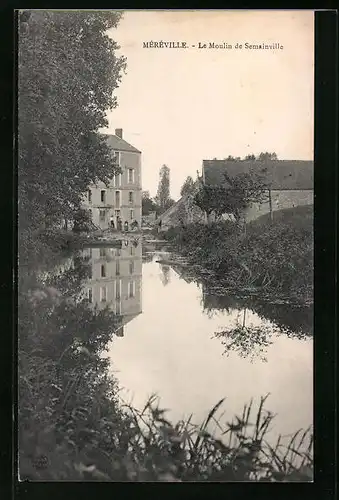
283,174
120,139
175,203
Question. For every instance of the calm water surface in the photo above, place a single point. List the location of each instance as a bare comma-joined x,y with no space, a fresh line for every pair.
168,346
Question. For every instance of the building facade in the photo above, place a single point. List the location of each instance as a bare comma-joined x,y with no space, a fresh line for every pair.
121,200
116,280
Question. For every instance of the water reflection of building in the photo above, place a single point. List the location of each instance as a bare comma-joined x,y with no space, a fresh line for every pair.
116,280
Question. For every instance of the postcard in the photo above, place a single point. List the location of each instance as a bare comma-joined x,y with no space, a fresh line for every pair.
165,170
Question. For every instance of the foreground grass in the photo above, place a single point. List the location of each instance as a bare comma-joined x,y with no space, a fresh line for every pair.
275,258
73,424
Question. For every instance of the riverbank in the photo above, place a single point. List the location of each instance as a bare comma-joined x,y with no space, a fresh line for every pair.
269,260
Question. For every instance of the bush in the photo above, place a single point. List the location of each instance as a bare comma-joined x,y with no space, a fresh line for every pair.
276,258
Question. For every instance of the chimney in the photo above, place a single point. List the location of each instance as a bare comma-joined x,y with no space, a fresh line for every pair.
118,132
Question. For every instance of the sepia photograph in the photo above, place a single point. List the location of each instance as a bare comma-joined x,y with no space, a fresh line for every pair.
165,245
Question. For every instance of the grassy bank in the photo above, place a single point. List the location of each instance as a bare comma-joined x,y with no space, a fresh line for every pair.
273,257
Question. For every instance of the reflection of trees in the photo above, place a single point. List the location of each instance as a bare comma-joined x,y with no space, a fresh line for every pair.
248,341
252,341
293,321
289,319
61,370
165,274
70,281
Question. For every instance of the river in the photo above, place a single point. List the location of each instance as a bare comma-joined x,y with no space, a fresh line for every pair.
170,341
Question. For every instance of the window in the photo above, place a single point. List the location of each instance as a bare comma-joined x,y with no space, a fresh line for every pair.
89,196
89,295
117,198
102,215
103,294
117,180
117,268
132,214
116,158
131,267
130,197
102,252
103,196
131,175
131,250
131,289
103,271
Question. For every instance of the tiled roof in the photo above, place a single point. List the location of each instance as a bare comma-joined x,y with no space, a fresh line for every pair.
120,144
281,174
173,208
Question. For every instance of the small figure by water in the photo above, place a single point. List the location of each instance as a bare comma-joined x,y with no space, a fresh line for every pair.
159,225
119,224
112,222
126,226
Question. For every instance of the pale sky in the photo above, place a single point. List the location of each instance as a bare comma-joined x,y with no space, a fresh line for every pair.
180,106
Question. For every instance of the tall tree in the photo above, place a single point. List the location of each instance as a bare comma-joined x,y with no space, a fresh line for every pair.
187,187
163,193
148,205
67,72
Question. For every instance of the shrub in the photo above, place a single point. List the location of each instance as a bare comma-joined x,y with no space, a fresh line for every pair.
274,257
